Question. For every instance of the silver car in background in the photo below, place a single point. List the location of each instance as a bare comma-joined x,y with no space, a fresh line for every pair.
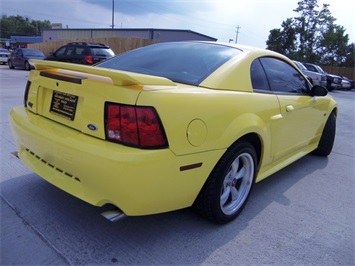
333,81
4,56
315,78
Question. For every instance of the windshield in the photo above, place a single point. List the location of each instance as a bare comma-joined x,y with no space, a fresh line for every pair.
30,52
320,69
184,62
300,65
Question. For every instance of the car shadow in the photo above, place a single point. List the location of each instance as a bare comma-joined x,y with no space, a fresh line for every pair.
83,236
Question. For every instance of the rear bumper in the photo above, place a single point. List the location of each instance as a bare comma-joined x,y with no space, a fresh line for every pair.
137,181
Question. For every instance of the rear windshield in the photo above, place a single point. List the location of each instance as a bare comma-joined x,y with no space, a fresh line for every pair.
183,62
99,51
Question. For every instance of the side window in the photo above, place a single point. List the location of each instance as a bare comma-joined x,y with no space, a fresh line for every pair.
311,68
81,51
258,77
283,77
70,50
60,51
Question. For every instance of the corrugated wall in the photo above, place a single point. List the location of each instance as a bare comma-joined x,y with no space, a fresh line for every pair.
82,34
144,33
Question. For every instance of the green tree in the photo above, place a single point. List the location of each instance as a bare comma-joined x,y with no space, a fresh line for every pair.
350,56
333,45
316,37
18,25
306,27
283,40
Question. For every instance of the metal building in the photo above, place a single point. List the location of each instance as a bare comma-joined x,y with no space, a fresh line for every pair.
160,35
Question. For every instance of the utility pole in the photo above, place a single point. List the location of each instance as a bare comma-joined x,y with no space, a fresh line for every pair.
113,14
237,32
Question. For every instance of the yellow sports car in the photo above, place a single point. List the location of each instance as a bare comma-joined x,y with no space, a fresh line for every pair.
171,125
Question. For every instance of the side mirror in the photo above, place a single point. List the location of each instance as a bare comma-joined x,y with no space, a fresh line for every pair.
317,90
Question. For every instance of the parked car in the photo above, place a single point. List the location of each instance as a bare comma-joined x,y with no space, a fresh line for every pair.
333,81
315,77
20,57
171,125
82,53
4,56
347,83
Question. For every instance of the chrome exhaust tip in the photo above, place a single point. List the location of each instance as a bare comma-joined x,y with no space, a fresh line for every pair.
15,153
113,215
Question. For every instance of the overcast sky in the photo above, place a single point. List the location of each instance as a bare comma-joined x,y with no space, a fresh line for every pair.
215,18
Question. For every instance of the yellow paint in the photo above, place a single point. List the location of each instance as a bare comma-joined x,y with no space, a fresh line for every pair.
200,124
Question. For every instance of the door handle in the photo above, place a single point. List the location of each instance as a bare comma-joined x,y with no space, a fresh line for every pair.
290,108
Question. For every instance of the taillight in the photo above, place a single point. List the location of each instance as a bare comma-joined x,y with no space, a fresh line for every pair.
137,126
25,96
89,59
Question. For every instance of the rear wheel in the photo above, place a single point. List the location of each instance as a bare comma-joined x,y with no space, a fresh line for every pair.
326,142
329,85
27,66
229,185
10,64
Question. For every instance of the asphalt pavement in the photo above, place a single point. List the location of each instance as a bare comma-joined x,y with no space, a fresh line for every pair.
302,215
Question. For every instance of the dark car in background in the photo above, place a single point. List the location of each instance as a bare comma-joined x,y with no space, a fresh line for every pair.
333,81
4,56
20,57
82,53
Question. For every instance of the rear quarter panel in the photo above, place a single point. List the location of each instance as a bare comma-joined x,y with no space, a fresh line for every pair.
226,115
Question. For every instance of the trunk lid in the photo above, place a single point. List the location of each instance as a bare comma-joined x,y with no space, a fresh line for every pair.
75,95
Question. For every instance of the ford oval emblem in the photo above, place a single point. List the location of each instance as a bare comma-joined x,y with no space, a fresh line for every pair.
92,127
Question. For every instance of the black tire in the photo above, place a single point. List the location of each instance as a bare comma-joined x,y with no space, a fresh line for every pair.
228,187
27,66
326,142
10,65
329,85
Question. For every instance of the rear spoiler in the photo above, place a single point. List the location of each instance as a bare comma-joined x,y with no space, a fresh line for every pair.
118,77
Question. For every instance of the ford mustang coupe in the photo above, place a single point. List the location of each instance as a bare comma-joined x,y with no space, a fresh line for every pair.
171,125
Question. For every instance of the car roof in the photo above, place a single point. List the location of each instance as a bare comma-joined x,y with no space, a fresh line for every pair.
89,44
27,49
244,48
227,76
